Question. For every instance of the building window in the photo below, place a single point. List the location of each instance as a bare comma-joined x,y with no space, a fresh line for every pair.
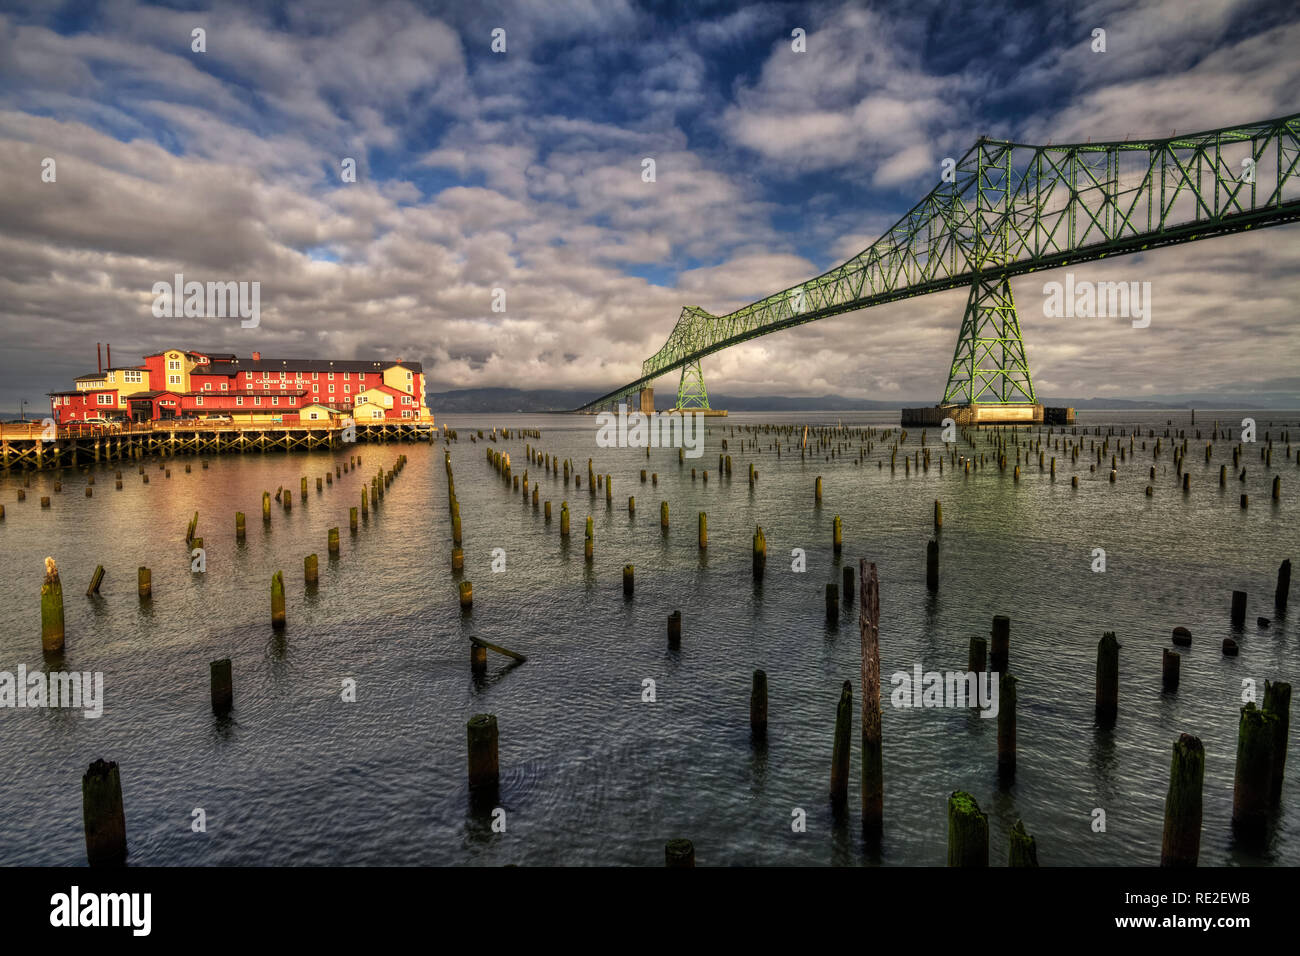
239,399
313,375
282,374
406,414
331,387
105,399
346,389
133,377
257,400
331,376
345,376
174,365
173,379
224,386
315,388
275,399
207,386
198,399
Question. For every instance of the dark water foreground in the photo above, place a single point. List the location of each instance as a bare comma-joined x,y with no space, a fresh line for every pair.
591,773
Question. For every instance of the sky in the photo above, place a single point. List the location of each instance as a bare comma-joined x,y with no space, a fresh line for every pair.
522,170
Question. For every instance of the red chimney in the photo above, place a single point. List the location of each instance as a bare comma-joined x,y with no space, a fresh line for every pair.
257,356
109,350
99,359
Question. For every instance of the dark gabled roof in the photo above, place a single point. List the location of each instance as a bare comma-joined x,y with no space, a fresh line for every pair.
224,369
127,368
92,377
84,391
138,395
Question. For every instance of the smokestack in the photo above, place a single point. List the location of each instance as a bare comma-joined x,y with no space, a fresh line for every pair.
108,350
99,359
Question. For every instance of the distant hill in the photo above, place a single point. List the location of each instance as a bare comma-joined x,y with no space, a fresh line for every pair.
503,400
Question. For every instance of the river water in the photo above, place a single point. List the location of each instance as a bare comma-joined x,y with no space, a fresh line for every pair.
591,772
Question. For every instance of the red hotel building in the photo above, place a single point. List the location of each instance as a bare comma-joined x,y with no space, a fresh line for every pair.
178,383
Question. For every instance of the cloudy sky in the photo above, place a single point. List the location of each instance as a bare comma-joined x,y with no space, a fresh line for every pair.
522,170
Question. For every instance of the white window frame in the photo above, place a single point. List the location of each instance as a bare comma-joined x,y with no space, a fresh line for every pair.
275,399
239,399
198,399
257,399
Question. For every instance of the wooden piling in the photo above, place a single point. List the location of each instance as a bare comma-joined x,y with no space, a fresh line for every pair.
760,553
103,815
846,586
872,755
758,706
52,611
679,854
222,684
564,519
819,488
628,575
1107,708
663,514
95,580
932,565
481,746
843,748
589,544
144,583
938,515
977,659
277,601
1277,702
1000,656
631,504
1181,844
832,603
968,831
266,507
704,531
332,539
1006,728
675,629
466,595
837,536
1253,779
352,520
1169,668
310,569
1238,608
1022,850
1281,593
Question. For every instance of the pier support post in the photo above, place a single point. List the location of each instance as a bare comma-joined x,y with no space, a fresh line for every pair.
1277,702
932,565
679,854
675,630
481,741
843,748
1253,779
144,583
872,756
222,681
1006,728
1000,656
51,611
1107,679
103,815
1181,844
277,601
1023,851
1170,662
968,831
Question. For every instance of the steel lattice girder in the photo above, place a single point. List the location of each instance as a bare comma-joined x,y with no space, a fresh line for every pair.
989,364
1015,208
691,392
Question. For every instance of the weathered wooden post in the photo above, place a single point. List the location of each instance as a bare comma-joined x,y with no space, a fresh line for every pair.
266,507
352,519
932,565
332,539
1277,702
631,504
760,553
758,706
1238,608
704,531
675,629
872,755
938,515
1006,728
1181,845
628,575
240,527
466,590
365,503
847,586
277,601
1169,667
819,488
843,748
477,657
679,854
1281,592
96,580
223,686
1000,656
968,831
1023,851
1107,679
832,603
103,814
144,583
564,519
51,611
310,569
481,740
1253,780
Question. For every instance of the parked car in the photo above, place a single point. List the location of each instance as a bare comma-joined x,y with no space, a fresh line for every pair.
225,419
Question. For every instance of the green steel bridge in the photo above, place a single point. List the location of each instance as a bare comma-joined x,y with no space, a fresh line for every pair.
1009,209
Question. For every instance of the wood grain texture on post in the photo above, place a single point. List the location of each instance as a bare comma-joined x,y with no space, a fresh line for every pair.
872,755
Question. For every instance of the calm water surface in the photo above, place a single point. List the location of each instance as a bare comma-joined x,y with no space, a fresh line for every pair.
591,774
